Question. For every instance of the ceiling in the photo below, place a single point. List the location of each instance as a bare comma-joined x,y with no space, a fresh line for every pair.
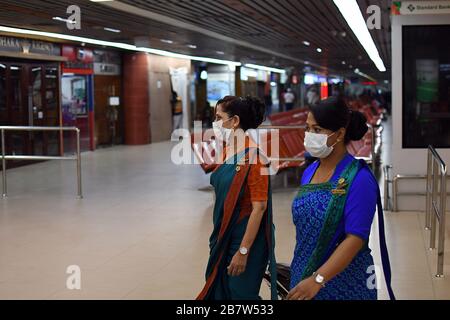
265,32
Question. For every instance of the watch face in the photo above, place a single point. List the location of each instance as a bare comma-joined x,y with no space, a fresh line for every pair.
243,250
319,278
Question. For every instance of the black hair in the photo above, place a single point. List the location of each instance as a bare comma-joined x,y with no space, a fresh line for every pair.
251,111
333,114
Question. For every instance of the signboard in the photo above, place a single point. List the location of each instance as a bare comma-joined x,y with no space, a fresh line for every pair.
114,101
107,62
219,85
79,60
420,7
29,46
106,69
262,75
247,73
311,78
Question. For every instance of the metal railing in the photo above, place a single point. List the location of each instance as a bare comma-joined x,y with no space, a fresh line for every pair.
395,188
396,193
387,181
372,150
437,176
6,157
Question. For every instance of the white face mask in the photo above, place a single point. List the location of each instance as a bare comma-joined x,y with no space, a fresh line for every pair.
316,144
221,133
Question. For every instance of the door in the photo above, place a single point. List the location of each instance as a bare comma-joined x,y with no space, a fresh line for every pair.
29,96
17,142
106,86
75,110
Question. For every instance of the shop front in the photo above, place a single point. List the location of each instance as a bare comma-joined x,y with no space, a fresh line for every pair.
77,97
29,95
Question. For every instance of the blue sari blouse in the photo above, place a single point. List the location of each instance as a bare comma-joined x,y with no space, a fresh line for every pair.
361,201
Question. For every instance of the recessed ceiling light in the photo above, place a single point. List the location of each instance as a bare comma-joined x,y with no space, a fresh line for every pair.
306,43
167,41
220,52
192,46
319,50
112,30
343,62
306,62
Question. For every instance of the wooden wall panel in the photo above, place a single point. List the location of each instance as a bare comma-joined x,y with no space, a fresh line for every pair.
136,98
105,87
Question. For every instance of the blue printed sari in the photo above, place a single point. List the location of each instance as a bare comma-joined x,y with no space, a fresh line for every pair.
322,224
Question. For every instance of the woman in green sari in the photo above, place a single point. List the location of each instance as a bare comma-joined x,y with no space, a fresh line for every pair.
242,241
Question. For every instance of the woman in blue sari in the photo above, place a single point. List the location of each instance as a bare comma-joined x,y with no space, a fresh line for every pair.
333,212
242,241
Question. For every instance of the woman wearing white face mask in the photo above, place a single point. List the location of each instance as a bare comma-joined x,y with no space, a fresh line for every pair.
333,212
242,241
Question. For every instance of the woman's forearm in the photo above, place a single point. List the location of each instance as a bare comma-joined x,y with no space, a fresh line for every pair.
341,257
254,224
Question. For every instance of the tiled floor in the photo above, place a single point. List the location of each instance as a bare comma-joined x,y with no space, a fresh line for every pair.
141,232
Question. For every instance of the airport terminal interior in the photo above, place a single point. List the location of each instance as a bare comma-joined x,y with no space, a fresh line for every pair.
108,118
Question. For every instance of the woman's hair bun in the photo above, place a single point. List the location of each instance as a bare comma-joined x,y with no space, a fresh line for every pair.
250,110
357,126
333,113
257,111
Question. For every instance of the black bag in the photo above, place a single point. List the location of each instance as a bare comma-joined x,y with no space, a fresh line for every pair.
283,279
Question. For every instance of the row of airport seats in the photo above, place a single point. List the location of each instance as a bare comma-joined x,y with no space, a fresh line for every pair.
291,140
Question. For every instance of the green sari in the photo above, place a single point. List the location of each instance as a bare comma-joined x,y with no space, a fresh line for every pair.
229,181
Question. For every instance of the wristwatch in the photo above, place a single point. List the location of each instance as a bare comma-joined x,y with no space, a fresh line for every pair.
243,251
319,279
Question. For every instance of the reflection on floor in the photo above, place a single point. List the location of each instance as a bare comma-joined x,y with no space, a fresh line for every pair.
141,232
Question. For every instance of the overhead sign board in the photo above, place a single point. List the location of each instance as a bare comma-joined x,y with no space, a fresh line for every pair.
420,7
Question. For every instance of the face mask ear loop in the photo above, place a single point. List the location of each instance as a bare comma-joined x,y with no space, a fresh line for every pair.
334,144
227,120
331,136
